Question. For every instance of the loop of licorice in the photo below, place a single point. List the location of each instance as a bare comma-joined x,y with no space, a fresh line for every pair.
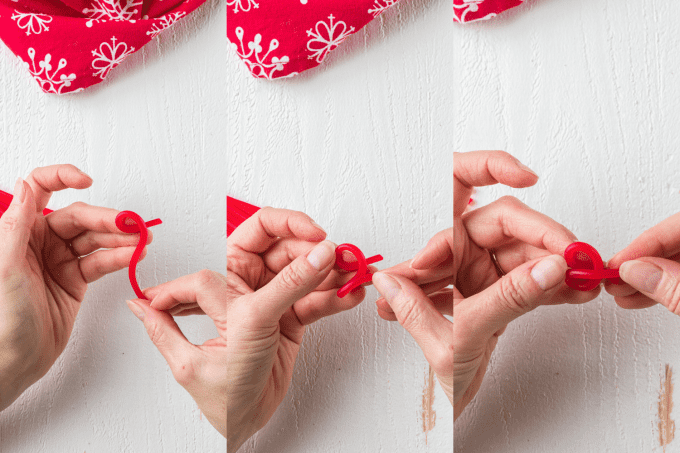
587,278
131,222
593,274
360,266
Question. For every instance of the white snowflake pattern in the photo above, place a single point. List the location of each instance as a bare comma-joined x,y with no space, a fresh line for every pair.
50,82
242,5
164,22
469,6
326,37
105,10
260,67
109,56
381,6
32,23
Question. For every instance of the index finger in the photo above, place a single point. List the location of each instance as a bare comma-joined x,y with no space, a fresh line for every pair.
485,168
438,250
662,240
79,217
45,180
205,288
267,225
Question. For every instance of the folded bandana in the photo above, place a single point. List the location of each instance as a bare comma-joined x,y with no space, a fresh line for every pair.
69,45
283,38
472,10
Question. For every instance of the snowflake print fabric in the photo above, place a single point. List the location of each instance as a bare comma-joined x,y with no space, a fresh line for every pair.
473,10
285,38
69,45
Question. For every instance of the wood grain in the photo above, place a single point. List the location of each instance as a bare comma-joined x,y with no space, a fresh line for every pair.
586,93
363,145
152,137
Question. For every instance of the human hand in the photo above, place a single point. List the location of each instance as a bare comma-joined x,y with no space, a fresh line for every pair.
650,267
200,369
415,294
529,248
280,278
46,263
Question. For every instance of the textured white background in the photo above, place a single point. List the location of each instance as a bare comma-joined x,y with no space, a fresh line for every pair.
152,137
587,93
363,145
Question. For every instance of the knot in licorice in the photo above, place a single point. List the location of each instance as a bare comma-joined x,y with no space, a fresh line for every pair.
363,275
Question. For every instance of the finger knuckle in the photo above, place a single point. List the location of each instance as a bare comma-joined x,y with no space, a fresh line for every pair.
670,290
9,223
156,334
292,276
510,202
412,315
206,278
513,296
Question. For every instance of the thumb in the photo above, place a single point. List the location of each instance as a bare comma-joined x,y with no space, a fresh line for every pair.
656,278
166,335
514,295
16,224
416,312
295,281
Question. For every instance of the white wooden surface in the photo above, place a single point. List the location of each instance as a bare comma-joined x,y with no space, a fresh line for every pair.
152,137
363,145
586,93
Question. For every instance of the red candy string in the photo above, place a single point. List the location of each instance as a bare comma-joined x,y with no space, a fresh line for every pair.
360,266
587,270
130,222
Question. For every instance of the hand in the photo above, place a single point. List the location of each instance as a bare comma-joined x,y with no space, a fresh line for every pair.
529,247
281,277
42,281
650,267
415,294
201,370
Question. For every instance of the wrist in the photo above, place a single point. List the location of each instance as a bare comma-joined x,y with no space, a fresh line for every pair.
16,375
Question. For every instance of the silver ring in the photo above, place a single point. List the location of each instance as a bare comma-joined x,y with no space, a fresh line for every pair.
494,260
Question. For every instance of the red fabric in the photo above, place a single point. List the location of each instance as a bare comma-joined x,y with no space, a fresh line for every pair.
283,38
237,213
69,45
6,200
472,10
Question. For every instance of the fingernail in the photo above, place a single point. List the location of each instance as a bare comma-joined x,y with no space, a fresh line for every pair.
316,225
19,190
641,275
136,309
321,255
83,173
549,272
525,168
386,286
